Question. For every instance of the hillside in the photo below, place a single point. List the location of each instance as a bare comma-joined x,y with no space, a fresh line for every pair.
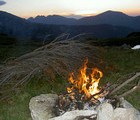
15,26
112,18
118,60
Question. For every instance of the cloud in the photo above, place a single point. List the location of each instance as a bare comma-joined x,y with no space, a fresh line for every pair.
2,2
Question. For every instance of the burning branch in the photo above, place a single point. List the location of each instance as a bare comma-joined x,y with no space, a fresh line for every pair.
93,96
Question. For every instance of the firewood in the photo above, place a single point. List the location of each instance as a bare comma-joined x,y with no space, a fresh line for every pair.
128,92
102,90
126,82
59,57
113,86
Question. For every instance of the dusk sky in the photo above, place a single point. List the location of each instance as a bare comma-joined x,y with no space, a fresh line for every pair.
32,8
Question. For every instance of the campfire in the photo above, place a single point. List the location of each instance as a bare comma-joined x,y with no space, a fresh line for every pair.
86,99
84,92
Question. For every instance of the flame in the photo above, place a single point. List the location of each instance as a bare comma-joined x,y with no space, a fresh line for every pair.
84,83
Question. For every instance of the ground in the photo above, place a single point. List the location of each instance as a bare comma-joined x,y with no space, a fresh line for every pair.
123,62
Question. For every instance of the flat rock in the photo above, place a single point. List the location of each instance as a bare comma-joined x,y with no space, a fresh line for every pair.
126,104
124,114
105,112
136,47
42,107
73,115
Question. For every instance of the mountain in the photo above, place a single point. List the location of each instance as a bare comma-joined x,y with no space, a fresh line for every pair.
108,17
53,19
99,31
112,18
15,26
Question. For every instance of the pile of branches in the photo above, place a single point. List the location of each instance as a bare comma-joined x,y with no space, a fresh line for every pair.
59,57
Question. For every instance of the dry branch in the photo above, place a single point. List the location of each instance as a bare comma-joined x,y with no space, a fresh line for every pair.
126,82
58,57
113,86
128,92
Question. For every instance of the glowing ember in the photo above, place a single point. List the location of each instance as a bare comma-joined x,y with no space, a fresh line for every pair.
84,83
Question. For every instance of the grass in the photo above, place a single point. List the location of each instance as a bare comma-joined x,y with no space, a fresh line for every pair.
124,62
16,108
11,51
132,41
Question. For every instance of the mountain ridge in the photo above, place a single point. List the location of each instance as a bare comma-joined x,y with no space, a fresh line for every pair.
15,26
108,17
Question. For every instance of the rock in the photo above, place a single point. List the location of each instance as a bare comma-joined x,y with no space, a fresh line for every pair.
73,115
126,104
124,114
105,112
125,46
42,107
136,47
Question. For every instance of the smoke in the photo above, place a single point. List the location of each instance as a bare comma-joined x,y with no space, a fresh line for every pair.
2,2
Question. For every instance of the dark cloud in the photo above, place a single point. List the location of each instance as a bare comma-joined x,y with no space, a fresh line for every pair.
2,2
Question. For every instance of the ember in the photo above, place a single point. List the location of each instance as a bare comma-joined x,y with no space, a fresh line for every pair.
84,92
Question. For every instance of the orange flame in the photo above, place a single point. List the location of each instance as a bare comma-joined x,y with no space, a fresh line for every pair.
86,84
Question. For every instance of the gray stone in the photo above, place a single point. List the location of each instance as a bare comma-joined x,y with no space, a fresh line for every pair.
42,107
124,114
105,112
137,47
72,115
126,104
125,46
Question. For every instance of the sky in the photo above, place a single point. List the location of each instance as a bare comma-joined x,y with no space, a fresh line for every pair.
32,8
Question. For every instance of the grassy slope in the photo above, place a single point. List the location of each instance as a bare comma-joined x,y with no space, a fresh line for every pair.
17,107
132,41
12,51
126,61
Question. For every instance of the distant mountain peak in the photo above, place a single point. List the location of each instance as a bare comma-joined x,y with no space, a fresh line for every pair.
108,17
55,16
110,12
98,27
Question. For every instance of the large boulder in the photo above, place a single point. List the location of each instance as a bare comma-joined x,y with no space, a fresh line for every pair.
126,104
75,115
124,114
42,107
105,112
